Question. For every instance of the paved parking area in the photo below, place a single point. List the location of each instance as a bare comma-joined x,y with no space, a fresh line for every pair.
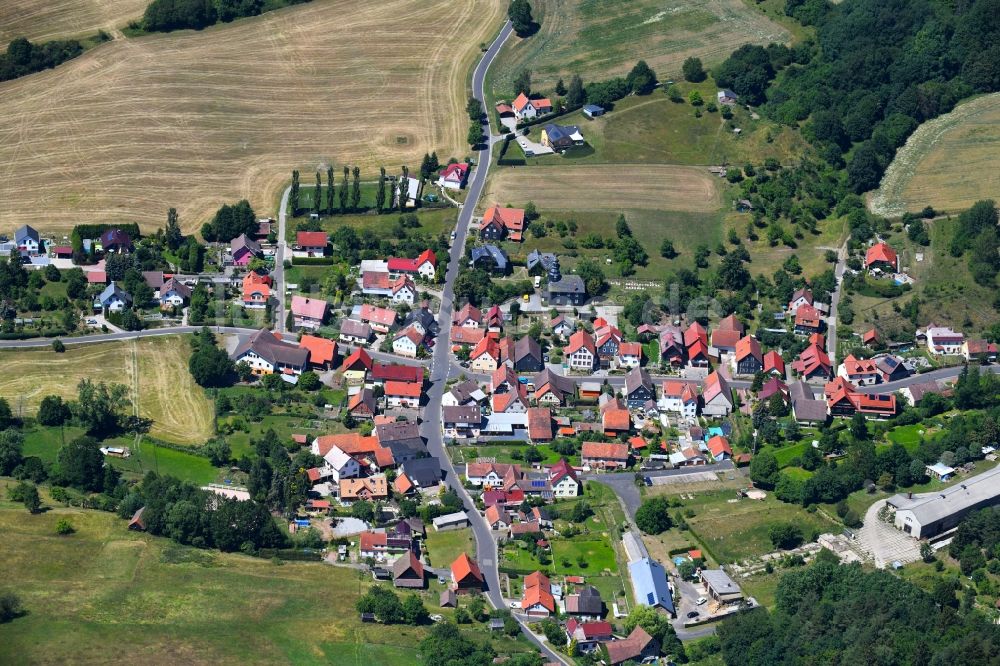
884,542
532,148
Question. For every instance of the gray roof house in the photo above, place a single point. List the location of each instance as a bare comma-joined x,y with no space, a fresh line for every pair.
403,439
805,406
265,353
26,238
528,355
425,472
649,582
541,261
113,298
490,258
571,290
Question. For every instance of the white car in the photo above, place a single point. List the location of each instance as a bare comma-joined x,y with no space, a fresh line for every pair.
453,234
701,600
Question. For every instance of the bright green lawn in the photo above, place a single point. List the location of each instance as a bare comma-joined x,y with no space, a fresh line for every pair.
785,454
444,547
433,221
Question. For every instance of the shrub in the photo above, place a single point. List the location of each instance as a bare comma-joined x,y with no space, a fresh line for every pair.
64,527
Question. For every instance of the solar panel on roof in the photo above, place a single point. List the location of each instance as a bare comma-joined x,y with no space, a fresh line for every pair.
538,484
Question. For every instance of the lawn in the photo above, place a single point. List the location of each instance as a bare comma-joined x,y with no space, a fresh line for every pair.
598,40
785,454
325,82
596,554
433,222
734,530
503,453
444,547
155,369
106,586
949,162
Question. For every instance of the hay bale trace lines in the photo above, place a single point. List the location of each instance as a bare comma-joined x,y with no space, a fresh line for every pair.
607,188
949,162
197,119
43,20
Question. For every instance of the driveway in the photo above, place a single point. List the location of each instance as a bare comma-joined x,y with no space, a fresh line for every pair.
532,148
884,542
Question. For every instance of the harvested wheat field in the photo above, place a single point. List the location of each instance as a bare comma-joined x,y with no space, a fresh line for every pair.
948,163
197,119
167,394
598,40
42,20
607,188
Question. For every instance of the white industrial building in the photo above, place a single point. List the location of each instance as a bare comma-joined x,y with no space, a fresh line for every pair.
925,515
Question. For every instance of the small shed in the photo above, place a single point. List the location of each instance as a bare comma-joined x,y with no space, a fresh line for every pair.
448,599
593,111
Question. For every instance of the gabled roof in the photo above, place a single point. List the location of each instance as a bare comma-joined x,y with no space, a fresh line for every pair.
719,445
353,328
176,286
678,389
410,332
748,346
395,372
313,308
242,242
486,346
731,323
402,484
463,335
264,344
311,239
363,399
716,385
403,282
351,443
468,312
511,219
464,567
560,470
580,340
527,347
491,252
859,366
880,252
321,350
808,316
383,316
402,389
773,361
407,563
375,280
636,378
458,170
694,333
539,423
358,359
604,451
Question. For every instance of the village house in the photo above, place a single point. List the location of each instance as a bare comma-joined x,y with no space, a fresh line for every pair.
173,294
774,364
859,371
615,418
880,258
537,599
322,352
561,137
773,386
638,388
380,319
370,489
526,108
402,394
403,290
942,340
979,350
891,368
528,355
465,575
588,635
243,249
540,425
256,290
586,604
569,290
454,176
497,518
308,312
637,647
563,479
422,319
490,474
354,332
604,456
485,357
749,360
727,334
462,422
361,405
806,409
266,353
808,320
408,572
629,355
581,354
407,341
386,372
113,299
680,398
844,400
338,465
673,352
425,265
469,316
720,448
489,258
501,223
813,363
552,389
310,244
27,240
716,395
802,296
356,366
376,283
402,440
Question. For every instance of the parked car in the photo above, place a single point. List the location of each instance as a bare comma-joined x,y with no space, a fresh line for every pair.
453,234
701,600
693,614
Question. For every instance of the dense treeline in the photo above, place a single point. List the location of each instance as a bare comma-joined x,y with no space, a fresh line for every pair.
829,614
877,70
168,15
23,58
976,546
229,222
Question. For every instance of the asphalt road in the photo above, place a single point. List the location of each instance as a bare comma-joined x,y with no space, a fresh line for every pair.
831,329
279,264
431,428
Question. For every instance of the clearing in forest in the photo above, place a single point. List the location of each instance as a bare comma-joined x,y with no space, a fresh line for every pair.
197,119
949,162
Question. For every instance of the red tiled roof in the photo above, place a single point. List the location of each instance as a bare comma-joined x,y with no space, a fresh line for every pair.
461,335
539,423
718,445
313,308
321,350
384,458
375,280
511,218
358,357
402,484
311,239
97,277
403,389
808,316
580,340
382,316
395,372
465,566
748,346
880,252
773,361
617,419
486,346
351,443
458,171
602,451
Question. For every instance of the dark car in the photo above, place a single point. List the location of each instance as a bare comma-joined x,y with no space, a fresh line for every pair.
648,481
693,614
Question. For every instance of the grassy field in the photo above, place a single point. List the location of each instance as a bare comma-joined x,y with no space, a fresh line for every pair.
194,120
948,163
104,588
733,530
444,547
433,221
652,129
180,410
598,40
59,19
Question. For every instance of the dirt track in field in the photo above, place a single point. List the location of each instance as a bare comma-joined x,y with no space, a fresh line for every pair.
197,119
42,20
606,188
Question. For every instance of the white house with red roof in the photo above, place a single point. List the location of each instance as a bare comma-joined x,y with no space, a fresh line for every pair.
380,319
881,258
563,479
425,265
454,176
407,341
943,340
308,312
526,109
403,290
310,244
679,397
580,353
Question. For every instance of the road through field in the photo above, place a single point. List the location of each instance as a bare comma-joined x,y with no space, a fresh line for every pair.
197,119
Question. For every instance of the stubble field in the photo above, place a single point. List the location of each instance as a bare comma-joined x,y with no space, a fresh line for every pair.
167,394
948,163
196,119
42,20
598,40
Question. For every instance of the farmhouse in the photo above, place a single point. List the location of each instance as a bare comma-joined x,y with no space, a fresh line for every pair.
361,405
468,317
563,479
680,398
537,600
552,388
356,366
402,394
322,352
805,407
380,319
800,297
586,605
527,355
925,515
339,465
561,137
638,388
808,320
408,572
727,334
424,265
943,340
580,353
526,109
604,456
462,422
402,439
649,583
407,341
499,223
638,647
385,372
979,350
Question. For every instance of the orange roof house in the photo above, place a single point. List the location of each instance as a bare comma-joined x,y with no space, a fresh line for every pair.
369,488
774,364
719,446
256,289
465,574
351,443
808,319
598,454
881,256
499,222
402,484
615,419
359,360
322,352
537,599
